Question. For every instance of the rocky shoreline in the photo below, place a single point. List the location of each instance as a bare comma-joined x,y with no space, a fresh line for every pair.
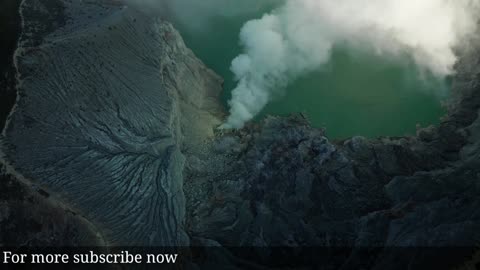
121,142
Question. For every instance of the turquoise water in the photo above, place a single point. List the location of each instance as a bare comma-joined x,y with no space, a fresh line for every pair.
356,93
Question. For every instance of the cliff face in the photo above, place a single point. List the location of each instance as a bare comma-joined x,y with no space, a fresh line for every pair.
107,100
116,121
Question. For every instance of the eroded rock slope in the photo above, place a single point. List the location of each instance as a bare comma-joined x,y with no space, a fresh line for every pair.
107,100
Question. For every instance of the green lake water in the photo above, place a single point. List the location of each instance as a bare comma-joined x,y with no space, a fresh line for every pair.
354,94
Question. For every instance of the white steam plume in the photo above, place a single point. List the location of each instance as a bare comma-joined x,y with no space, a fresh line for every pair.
298,37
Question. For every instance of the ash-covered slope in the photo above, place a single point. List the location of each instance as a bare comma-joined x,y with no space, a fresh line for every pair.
107,100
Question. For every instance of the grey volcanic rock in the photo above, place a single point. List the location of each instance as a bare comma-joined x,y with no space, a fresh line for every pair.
284,184
108,98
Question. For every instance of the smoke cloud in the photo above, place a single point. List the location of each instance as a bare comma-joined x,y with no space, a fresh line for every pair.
297,38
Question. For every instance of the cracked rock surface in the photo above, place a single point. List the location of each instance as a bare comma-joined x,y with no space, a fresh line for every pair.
99,120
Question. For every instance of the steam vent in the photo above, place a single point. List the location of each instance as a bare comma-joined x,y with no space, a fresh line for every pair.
247,141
